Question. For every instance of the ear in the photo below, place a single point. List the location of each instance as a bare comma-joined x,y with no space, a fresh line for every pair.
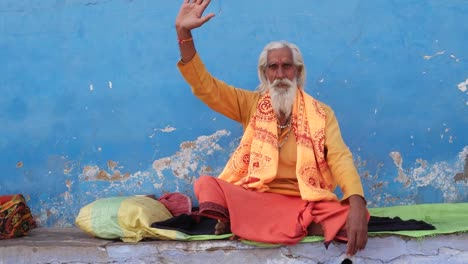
299,70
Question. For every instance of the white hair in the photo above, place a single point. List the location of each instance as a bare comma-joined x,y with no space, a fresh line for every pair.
298,61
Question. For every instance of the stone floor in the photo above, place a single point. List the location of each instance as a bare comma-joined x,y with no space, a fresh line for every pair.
71,245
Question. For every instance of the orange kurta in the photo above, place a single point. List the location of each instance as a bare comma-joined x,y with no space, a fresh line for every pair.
240,105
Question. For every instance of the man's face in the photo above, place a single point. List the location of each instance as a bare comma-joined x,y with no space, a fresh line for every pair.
282,80
280,66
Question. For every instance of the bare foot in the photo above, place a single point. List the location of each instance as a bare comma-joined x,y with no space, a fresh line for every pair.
222,228
315,229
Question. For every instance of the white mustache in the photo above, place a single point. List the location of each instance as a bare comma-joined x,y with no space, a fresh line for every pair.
284,81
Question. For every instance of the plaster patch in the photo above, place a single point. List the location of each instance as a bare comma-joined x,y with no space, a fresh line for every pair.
68,183
443,176
67,196
45,214
175,173
398,161
463,86
187,159
69,166
167,129
94,173
111,164
90,172
454,57
428,57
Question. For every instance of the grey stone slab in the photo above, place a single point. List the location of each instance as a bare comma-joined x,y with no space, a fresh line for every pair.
71,245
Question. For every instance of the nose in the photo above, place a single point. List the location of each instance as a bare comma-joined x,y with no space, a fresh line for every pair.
280,73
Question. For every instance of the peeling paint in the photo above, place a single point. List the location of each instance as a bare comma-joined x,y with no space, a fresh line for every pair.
111,164
90,172
463,86
454,57
186,161
68,183
167,129
158,185
69,166
428,57
439,175
67,196
19,164
105,176
115,178
462,176
398,161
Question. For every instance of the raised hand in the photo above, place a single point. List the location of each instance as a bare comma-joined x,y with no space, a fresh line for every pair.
191,14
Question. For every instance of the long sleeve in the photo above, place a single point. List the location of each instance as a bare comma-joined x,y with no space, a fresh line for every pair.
225,99
340,159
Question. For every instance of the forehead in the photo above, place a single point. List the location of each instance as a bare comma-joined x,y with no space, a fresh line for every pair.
279,55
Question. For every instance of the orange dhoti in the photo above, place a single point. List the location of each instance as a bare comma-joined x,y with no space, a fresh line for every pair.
269,217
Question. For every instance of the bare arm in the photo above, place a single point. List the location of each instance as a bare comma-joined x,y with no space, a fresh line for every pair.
190,16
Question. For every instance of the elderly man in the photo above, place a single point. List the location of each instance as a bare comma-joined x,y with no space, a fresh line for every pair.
277,186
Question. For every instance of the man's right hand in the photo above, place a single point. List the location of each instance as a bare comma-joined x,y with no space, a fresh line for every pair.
191,14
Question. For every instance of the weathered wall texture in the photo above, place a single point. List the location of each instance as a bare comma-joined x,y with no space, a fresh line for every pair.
93,106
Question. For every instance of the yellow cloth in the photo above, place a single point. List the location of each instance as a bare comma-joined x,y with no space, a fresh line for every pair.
255,162
241,104
126,217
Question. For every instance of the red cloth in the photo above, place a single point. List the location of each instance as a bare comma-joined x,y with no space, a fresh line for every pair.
15,216
177,203
268,217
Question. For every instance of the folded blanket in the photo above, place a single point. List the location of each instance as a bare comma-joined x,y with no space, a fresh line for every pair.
381,223
188,224
194,225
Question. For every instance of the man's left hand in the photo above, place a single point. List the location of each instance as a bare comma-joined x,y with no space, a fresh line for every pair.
356,225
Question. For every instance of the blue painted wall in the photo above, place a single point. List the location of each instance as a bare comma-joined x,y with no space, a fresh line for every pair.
93,106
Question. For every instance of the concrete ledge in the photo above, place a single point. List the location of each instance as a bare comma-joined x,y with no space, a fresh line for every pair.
71,245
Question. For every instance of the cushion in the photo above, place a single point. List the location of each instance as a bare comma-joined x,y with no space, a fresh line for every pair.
128,218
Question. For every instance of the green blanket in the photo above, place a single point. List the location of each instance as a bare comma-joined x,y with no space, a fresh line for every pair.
446,217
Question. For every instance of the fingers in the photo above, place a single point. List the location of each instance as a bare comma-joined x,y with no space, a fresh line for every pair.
351,249
356,241
205,3
208,17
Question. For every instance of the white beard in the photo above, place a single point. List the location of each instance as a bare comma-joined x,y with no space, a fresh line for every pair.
282,98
